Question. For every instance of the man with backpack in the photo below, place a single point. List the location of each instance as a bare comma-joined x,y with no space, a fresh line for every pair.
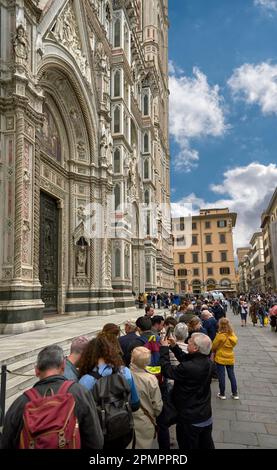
55,413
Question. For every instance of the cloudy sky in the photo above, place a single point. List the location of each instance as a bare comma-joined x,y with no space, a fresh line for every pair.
223,106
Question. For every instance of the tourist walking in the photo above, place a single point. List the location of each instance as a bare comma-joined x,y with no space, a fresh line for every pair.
223,349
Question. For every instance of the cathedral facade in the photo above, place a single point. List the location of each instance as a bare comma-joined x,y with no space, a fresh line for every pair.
84,161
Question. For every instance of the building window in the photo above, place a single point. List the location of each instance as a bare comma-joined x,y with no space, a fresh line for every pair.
181,241
148,220
223,256
146,170
207,224
117,82
194,225
224,270
116,120
183,285
222,223
210,271
182,272
146,197
146,105
181,259
194,240
208,239
116,161
117,262
146,142
117,198
195,257
222,238
117,33
209,257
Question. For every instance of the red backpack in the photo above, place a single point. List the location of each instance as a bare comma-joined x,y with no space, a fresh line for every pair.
49,422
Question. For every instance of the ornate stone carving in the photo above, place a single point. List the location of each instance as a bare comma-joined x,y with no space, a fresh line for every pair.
66,33
21,46
106,145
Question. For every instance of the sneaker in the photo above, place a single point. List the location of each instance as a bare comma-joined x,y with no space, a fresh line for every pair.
235,397
222,397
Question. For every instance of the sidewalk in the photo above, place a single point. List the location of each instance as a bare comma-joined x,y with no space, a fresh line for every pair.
250,422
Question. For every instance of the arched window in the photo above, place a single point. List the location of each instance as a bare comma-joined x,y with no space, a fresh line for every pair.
116,120
117,263
116,83
146,170
146,105
146,142
146,197
117,197
148,223
225,283
148,272
116,161
117,33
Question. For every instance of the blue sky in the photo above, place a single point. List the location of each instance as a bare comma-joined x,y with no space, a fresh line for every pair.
223,106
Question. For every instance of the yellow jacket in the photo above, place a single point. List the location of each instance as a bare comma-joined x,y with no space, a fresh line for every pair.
223,346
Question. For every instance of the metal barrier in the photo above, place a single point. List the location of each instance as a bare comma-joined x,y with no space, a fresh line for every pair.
3,394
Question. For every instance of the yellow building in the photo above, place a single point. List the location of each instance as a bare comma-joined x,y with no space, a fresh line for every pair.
203,252
269,230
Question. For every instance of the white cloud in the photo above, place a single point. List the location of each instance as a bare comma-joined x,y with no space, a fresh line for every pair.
256,84
247,191
196,111
268,5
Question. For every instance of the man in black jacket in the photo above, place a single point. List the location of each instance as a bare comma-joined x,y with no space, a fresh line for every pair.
191,391
49,370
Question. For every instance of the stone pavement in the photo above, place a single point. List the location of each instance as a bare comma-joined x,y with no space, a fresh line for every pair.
250,422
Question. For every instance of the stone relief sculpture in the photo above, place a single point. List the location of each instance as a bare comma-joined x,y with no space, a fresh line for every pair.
21,46
66,33
81,260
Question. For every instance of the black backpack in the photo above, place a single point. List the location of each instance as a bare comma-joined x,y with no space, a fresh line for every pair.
112,395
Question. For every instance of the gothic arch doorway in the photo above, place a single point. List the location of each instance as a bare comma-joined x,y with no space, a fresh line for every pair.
48,259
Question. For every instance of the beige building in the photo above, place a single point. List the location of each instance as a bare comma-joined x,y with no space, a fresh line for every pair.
203,252
256,263
269,231
84,153
243,269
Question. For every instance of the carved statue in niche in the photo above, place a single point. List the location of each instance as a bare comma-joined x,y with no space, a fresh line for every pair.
21,46
81,214
103,67
81,258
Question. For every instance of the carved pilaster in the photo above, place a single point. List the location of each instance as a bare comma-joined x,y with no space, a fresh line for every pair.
36,209
18,194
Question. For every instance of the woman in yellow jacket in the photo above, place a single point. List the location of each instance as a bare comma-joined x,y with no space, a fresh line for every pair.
223,346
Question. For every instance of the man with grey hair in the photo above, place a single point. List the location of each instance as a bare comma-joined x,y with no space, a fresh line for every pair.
77,347
50,369
191,393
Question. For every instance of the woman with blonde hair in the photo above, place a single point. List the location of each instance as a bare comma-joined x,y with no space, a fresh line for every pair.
223,349
150,398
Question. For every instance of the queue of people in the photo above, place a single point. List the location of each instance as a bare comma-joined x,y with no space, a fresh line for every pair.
120,387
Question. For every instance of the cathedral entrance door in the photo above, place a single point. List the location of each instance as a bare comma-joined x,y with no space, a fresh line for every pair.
48,259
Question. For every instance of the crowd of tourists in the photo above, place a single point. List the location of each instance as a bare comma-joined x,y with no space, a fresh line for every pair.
120,391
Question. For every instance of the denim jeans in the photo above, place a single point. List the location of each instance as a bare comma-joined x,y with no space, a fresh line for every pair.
221,378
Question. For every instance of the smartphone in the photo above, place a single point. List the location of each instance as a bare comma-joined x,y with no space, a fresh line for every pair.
169,332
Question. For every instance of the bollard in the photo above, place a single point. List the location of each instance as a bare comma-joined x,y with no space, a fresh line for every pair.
3,394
